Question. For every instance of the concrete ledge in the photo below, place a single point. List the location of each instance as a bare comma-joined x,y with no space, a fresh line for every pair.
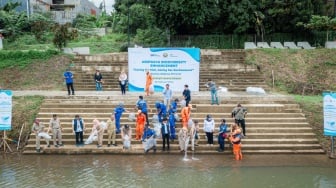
77,50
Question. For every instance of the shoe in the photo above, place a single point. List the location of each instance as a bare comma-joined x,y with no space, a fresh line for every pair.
211,145
114,145
60,144
56,146
48,145
99,146
108,145
146,151
220,150
38,150
196,144
208,144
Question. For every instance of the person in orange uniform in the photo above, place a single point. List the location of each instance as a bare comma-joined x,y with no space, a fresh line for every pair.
235,139
140,124
149,82
185,115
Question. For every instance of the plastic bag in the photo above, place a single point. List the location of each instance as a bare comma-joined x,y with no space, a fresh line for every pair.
176,116
44,135
183,103
256,90
127,142
155,118
151,89
131,117
157,129
92,137
103,125
149,143
223,89
190,123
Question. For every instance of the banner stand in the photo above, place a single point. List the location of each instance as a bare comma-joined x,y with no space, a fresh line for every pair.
332,152
3,142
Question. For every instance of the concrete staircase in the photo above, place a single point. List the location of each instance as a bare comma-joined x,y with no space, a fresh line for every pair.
225,67
275,123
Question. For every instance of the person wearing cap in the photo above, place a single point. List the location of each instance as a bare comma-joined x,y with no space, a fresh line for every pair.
141,104
149,82
167,95
99,80
111,131
126,133
118,111
68,77
140,125
56,128
185,115
165,132
161,110
186,94
172,123
222,135
183,138
209,127
173,104
38,129
148,139
239,113
78,127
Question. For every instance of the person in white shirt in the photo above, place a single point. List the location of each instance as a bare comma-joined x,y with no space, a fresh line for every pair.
167,96
209,127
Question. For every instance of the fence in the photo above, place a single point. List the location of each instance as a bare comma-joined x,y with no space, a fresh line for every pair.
220,41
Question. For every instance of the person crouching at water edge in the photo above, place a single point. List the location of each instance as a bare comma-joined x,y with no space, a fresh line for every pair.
38,129
235,139
96,133
183,138
126,133
149,139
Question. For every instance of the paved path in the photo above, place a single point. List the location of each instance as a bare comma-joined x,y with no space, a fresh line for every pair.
52,93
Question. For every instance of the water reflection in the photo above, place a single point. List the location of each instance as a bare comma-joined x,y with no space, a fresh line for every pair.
166,171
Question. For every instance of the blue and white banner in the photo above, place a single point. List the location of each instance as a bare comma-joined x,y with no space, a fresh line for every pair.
5,110
173,66
329,113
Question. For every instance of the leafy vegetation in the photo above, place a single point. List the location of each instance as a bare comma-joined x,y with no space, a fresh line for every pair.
23,58
25,110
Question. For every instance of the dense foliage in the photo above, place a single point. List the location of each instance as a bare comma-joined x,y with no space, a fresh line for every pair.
262,19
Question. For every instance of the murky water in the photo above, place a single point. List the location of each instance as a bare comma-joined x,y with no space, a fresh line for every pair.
301,171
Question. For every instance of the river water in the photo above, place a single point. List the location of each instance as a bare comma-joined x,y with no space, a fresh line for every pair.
156,170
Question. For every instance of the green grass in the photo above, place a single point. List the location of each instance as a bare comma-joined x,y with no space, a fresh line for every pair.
311,100
15,58
25,110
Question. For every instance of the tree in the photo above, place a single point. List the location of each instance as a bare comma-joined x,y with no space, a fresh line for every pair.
321,23
184,16
242,15
61,35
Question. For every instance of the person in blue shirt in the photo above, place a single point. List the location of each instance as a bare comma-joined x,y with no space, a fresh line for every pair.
68,77
222,135
118,111
172,121
141,104
161,110
149,140
173,104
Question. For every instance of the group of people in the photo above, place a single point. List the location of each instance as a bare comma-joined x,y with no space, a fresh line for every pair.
98,78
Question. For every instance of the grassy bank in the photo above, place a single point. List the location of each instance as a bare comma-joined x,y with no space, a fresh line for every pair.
24,112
